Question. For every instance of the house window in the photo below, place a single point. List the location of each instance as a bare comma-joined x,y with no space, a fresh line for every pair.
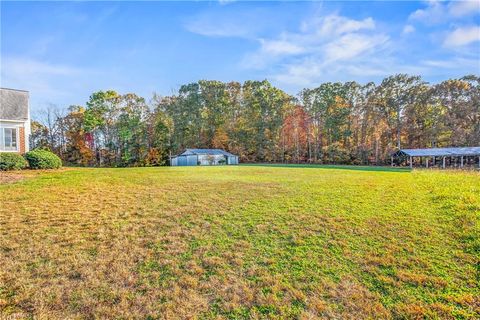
8,139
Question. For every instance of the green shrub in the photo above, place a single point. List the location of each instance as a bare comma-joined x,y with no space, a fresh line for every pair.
43,159
12,161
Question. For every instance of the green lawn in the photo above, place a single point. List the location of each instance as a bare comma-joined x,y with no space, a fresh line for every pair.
240,242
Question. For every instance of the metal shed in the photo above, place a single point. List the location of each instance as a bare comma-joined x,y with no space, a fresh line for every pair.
455,156
204,157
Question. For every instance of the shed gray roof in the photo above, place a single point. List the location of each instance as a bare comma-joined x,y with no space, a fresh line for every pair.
13,104
206,151
463,151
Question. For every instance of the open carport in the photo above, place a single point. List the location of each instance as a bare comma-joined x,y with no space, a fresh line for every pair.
438,157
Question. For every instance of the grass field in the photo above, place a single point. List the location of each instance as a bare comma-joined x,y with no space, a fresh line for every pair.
240,242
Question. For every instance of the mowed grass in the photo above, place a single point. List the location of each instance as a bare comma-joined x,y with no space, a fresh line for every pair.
240,242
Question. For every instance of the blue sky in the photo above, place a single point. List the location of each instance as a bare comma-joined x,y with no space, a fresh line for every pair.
63,51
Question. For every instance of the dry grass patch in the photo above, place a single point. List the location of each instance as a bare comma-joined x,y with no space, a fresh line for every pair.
10,177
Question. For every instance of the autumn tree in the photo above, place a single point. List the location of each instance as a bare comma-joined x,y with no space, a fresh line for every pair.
77,149
296,135
39,137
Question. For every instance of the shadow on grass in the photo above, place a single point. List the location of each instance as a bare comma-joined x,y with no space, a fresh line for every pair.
330,166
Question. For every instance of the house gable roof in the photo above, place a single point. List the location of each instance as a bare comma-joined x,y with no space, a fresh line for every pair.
13,104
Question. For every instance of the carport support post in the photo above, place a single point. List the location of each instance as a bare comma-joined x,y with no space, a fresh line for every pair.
391,159
427,159
411,162
443,162
479,162
461,162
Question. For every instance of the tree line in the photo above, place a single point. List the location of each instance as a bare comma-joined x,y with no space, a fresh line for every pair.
340,123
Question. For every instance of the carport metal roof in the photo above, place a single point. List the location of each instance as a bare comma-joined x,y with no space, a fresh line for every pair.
206,151
439,152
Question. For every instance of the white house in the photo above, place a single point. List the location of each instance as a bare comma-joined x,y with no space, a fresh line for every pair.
14,120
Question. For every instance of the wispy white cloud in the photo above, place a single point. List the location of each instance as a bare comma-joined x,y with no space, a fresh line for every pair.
407,29
322,44
42,78
442,11
281,47
464,8
352,45
336,25
223,29
336,48
451,24
433,13
226,23
462,36
455,63
301,73
311,72
24,67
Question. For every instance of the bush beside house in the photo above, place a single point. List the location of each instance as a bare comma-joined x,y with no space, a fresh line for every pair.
12,161
43,159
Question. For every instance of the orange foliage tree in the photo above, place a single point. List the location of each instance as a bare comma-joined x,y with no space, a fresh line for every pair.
296,135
